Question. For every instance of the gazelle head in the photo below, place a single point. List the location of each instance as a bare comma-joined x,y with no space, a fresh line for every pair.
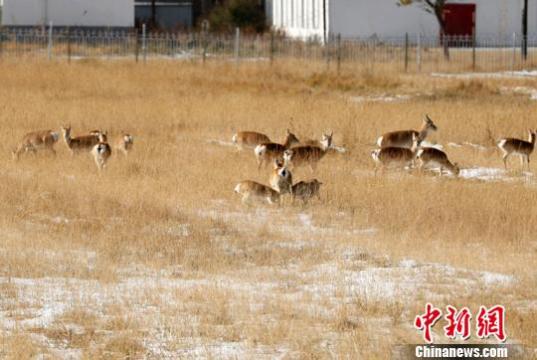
128,139
428,124
456,169
287,155
291,139
326,141
66,131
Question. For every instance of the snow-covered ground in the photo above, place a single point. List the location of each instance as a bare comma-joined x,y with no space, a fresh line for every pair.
352,274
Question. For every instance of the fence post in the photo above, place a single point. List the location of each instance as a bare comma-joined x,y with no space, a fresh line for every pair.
473,51
136,45
406,52
69,45
272,47
49,47
513,60
237,45
327,52
1,40
418,52
338,54
144,42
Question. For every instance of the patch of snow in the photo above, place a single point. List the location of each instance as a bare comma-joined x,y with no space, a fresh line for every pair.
381,98
502,74
220,142
426,144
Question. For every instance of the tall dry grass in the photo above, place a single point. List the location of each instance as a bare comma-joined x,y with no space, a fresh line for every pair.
168,210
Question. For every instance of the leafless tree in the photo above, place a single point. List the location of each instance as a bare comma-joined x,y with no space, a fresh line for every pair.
436,8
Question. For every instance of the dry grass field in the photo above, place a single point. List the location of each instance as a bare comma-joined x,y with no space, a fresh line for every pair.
156,257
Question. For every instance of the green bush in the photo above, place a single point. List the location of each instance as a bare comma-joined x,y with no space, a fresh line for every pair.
245,14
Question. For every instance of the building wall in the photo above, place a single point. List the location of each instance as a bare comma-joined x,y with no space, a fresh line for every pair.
298,18
91,13
168,16
383,18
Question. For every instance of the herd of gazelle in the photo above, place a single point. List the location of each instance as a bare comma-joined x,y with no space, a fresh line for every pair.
95,143
404,148
400,148
291,153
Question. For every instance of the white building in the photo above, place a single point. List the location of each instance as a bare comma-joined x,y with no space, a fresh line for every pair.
76,13
384,18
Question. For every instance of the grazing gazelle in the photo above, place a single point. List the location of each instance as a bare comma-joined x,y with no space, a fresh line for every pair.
249,139
406,138
518,147
281,178
268,152
253,190
101,153
305,190
433,158
84,142
394,156
308,155
124,143
37,140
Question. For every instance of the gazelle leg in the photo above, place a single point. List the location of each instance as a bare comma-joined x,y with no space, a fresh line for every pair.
505,156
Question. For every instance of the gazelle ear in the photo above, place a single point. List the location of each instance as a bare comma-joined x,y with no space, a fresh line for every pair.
288,131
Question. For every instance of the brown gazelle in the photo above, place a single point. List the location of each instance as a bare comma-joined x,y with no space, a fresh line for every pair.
308,155
82,143
249,139
281,178
267,152
253,190
101,153
394,157
430,157
405,138
35,141
522,148
124,143
305,190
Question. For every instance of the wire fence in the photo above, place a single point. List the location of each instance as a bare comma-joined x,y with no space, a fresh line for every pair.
407,53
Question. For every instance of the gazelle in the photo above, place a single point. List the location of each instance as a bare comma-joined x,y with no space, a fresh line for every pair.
394,156
434,158
308,155
405,138
305,190
35,141
101,153
522,148
84,142
281,178
268,152
249,139
124,143
253,190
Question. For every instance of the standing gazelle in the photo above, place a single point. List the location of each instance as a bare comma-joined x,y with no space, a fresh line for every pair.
124,143
84,142
101,153
522,148
308,155
281,178
433,158
35,141
405,138
267,152
249,139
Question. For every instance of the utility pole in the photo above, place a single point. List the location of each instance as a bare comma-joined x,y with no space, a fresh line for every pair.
525,31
